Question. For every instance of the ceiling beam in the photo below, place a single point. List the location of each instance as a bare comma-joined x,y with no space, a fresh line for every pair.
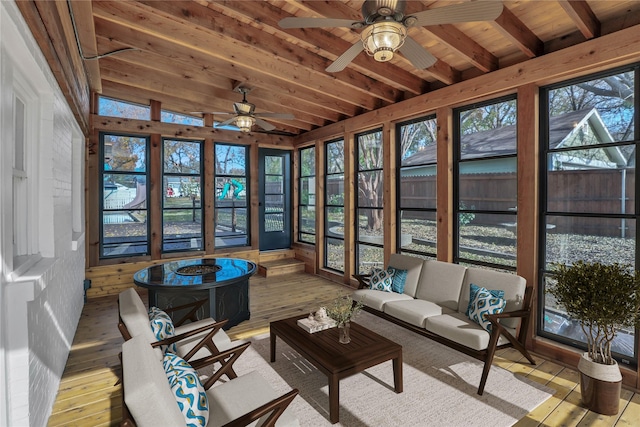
582,15
201,60
83,18
252,48
519,34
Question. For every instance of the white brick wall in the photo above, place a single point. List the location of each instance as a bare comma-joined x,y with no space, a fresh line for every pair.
41,306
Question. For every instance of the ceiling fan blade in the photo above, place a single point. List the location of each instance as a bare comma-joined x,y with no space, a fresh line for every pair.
225,113
303,22
462,12
344,59
227,122
286,116
416,54
264,125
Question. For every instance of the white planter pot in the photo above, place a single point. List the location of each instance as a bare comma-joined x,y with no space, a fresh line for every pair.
600,386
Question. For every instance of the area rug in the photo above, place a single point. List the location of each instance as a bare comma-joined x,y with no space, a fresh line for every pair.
440,386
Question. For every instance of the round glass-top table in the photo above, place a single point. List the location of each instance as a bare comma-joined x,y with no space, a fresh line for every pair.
224,281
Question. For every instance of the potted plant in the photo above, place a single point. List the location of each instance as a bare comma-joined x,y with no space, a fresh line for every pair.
602,298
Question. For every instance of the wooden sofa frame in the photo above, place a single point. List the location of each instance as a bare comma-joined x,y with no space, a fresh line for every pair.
497,329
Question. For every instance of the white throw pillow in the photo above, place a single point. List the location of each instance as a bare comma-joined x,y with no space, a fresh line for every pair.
381,280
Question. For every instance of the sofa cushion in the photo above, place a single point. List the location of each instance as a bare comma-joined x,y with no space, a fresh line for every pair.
381,280
459,328
377,299
189,392
512,285
146,391
485,302
441,282
413,265
232,399
399,279
414,311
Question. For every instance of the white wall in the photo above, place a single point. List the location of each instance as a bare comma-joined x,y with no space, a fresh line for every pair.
41,294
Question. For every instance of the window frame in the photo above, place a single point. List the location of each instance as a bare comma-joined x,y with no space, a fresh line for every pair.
358,242
327,206
544,151
301,177
399,208
247,206
457,161
146,174
200,175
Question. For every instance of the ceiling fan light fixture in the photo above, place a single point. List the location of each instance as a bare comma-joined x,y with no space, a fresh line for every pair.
382,39
244,123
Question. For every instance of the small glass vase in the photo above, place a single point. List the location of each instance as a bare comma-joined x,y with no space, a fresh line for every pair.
343,333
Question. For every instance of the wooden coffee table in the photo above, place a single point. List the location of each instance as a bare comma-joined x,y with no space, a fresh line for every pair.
335,360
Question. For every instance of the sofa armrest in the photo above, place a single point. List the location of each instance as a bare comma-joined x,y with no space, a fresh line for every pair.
363,280
508,315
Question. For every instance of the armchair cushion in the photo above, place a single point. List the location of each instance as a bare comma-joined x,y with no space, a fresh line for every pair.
235,398
189,392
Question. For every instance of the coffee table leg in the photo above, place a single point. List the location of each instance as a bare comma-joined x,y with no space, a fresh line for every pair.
397,373
334,399
272,336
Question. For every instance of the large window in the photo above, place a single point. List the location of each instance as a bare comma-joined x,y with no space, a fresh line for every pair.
417,186
369,201
124,195
485,190
334,205
182,196
307,196
589,196
231,213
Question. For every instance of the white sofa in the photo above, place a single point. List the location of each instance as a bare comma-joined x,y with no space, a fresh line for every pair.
435,300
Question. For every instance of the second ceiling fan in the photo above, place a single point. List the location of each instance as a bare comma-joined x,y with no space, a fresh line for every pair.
244,115
385,28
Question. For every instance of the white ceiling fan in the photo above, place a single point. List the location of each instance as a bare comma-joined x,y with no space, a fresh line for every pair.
385,28
244,115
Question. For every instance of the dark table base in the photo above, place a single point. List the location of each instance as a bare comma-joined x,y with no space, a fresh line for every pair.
225,302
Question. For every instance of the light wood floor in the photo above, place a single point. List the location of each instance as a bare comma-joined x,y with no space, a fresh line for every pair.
88,395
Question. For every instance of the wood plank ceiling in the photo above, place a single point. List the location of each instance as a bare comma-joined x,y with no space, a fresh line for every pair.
191,55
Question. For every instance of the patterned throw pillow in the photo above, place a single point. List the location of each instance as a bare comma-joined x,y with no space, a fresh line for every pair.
473,290
381,280
162,327
399,277
485,303
189,391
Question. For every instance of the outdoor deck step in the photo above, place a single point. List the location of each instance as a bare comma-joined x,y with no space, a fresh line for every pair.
280,266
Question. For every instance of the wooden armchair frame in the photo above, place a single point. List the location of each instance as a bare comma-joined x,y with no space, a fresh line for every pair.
226,359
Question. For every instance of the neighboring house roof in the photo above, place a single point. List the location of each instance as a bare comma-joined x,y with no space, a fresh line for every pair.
500,142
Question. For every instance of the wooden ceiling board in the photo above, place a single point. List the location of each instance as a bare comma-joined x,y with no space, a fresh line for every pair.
192,54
